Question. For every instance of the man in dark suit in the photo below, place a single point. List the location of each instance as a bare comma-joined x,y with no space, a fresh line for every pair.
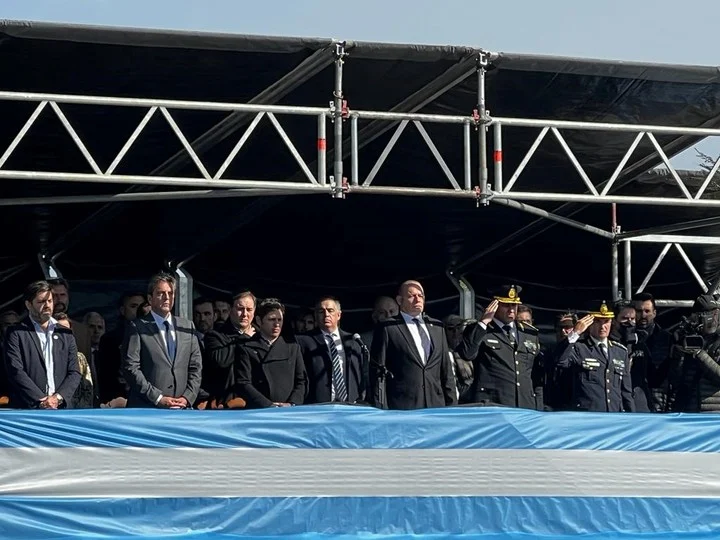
41,357
161,354
269,371
506,355
221,346
333,359
113,389
411,366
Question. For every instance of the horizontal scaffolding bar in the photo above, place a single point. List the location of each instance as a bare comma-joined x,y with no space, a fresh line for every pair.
604,126
167,103
676,239
413,117
554,217
620,199
662,229
151,196
675,303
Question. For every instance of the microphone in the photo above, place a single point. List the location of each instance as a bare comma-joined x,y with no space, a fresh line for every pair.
360,342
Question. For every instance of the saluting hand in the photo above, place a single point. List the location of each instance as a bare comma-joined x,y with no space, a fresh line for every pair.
489,312
583,324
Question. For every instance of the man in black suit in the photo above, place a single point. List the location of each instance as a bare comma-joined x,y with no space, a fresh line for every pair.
269,371
41,357
333,359
113,389
161,354
221,346
411,366
506,354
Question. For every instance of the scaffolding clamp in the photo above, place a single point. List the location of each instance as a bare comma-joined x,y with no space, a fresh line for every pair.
339,191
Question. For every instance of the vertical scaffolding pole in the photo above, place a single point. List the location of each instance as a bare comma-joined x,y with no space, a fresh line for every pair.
338,118
615,264
497,157
482,132
322,150
183,294
467,159
354,151
628,271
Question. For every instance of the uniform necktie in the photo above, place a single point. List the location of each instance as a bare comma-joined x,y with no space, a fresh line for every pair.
170,341
424,340
510,334
338,379
603,350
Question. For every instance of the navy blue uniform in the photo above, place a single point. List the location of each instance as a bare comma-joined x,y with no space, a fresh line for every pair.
507,371
599,384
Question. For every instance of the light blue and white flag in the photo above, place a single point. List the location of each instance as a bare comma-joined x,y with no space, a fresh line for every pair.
333,471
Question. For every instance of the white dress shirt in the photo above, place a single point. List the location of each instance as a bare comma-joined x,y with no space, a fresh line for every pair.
46,347
335,335
414,332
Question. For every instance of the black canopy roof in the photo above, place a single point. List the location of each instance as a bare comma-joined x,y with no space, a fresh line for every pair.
297,247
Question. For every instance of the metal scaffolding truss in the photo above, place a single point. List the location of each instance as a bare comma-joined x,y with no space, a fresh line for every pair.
317,177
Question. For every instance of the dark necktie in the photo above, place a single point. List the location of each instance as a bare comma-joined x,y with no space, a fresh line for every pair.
510,334
170,341
337,375
603,350
424,340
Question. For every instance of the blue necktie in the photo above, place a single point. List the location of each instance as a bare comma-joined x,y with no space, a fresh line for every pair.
424,340
170,341
337,375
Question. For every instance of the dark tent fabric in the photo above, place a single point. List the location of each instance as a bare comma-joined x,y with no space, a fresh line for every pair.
298,247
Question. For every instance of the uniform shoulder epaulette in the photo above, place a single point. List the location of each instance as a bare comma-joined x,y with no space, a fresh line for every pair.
529,328
618,345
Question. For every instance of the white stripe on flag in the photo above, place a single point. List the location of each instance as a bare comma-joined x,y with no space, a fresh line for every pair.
242,472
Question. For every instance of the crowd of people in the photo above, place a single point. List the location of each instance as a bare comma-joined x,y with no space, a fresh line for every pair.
237,353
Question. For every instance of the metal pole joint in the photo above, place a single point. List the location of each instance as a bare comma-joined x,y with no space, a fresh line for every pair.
339,190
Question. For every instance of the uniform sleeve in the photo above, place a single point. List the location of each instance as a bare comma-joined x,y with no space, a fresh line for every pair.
538,378
472,338
568,356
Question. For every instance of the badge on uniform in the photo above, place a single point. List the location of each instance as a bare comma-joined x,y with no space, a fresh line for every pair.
530,346
591,364
619,366
492,341
55,336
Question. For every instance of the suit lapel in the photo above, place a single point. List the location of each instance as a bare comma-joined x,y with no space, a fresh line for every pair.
152,327
436,338
405,331
180,343
34,337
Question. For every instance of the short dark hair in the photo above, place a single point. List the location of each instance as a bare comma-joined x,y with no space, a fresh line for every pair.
522,308
61,316
35,288
128,295
202,300
54,282
243,294
157,278
267,305
328,297
645,297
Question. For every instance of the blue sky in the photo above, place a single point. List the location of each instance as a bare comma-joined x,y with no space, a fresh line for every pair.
665,31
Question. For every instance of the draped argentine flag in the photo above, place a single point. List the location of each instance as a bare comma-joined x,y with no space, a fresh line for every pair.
343,471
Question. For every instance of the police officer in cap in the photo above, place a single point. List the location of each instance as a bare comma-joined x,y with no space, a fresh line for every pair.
598,367
505,355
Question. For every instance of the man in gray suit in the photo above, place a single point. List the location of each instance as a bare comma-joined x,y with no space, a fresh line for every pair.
161,355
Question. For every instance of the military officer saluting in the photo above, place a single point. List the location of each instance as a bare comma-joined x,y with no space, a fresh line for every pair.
598,367
505,355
